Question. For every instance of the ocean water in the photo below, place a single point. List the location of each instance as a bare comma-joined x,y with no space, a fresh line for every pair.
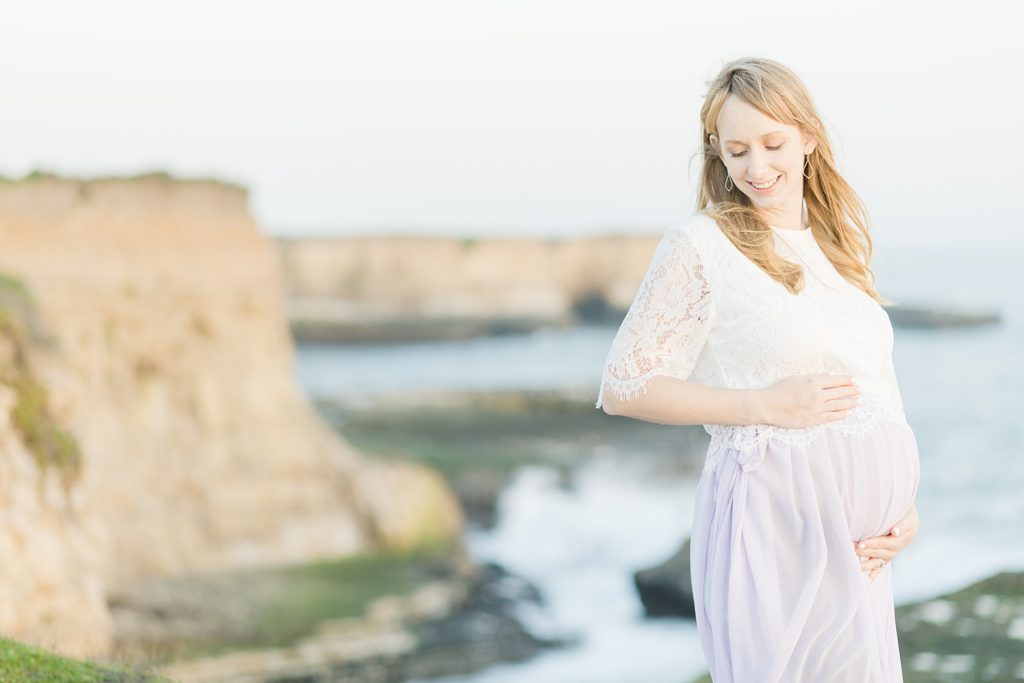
962,390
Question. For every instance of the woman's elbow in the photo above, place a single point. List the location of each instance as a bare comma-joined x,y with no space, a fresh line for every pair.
608,403
616,406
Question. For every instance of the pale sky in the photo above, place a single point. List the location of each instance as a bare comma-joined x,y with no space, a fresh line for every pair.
489,117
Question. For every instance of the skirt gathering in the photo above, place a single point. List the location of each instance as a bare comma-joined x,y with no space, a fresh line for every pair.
778,589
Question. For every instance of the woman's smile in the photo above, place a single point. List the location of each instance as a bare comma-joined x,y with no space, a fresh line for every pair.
765,188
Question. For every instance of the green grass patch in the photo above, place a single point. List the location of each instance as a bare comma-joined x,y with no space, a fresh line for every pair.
278,606
333,589
20,663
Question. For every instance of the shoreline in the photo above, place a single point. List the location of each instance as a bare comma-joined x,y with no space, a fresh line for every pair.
312,326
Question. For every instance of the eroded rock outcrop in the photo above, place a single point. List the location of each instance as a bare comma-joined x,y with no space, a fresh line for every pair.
172,368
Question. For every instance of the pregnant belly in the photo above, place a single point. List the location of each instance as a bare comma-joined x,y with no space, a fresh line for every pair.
878,475
862,483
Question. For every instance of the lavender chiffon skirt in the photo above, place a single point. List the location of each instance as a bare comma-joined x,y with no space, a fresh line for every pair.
777,584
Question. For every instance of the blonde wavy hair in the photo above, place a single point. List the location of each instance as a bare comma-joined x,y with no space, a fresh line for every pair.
837,216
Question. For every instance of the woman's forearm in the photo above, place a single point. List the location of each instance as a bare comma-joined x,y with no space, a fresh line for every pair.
674,401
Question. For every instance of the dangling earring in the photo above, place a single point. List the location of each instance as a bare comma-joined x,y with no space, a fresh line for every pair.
728,182
807,162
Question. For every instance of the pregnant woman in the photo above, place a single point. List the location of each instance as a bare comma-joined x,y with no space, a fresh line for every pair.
758,319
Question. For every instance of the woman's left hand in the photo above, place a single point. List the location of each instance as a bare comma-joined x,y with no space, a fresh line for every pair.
886,547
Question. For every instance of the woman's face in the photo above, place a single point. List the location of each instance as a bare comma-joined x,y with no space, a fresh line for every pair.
759,150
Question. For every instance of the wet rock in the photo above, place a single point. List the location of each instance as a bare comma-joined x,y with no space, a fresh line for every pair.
665,589
482,632
478,489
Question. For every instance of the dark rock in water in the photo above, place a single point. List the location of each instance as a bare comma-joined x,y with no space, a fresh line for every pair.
665,589
482,632
918,316
478,489
593,308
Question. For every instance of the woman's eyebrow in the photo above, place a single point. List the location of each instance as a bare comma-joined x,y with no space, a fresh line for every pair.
737,142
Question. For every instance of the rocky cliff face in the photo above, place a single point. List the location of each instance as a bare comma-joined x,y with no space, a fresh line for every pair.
171,365
52,543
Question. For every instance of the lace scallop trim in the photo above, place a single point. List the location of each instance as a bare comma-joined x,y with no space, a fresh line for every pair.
667,324
751,441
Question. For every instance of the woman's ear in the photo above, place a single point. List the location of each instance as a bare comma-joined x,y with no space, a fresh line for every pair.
811,141
713,140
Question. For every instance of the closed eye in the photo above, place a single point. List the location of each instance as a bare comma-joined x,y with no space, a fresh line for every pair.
777,147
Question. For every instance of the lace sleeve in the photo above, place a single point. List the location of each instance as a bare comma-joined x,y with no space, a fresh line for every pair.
667,324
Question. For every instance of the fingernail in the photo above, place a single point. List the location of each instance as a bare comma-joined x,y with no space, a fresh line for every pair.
862,545
896,531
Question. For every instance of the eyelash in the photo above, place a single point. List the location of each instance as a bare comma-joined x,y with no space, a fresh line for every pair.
777,147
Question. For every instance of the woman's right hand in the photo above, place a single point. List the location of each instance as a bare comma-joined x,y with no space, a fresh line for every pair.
807,400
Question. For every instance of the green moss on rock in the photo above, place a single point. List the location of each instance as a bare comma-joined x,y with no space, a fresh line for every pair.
50,444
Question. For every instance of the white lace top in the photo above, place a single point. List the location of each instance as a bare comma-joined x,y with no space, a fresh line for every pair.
706,313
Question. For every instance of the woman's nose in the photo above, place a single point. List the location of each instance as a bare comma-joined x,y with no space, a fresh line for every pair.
757,166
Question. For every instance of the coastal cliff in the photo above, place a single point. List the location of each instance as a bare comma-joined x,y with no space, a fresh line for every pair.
397,287
170,365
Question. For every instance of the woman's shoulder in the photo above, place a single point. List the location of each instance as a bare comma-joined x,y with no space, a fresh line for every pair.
698,225
698,229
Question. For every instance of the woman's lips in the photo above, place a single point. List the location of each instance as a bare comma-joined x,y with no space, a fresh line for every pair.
767,189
